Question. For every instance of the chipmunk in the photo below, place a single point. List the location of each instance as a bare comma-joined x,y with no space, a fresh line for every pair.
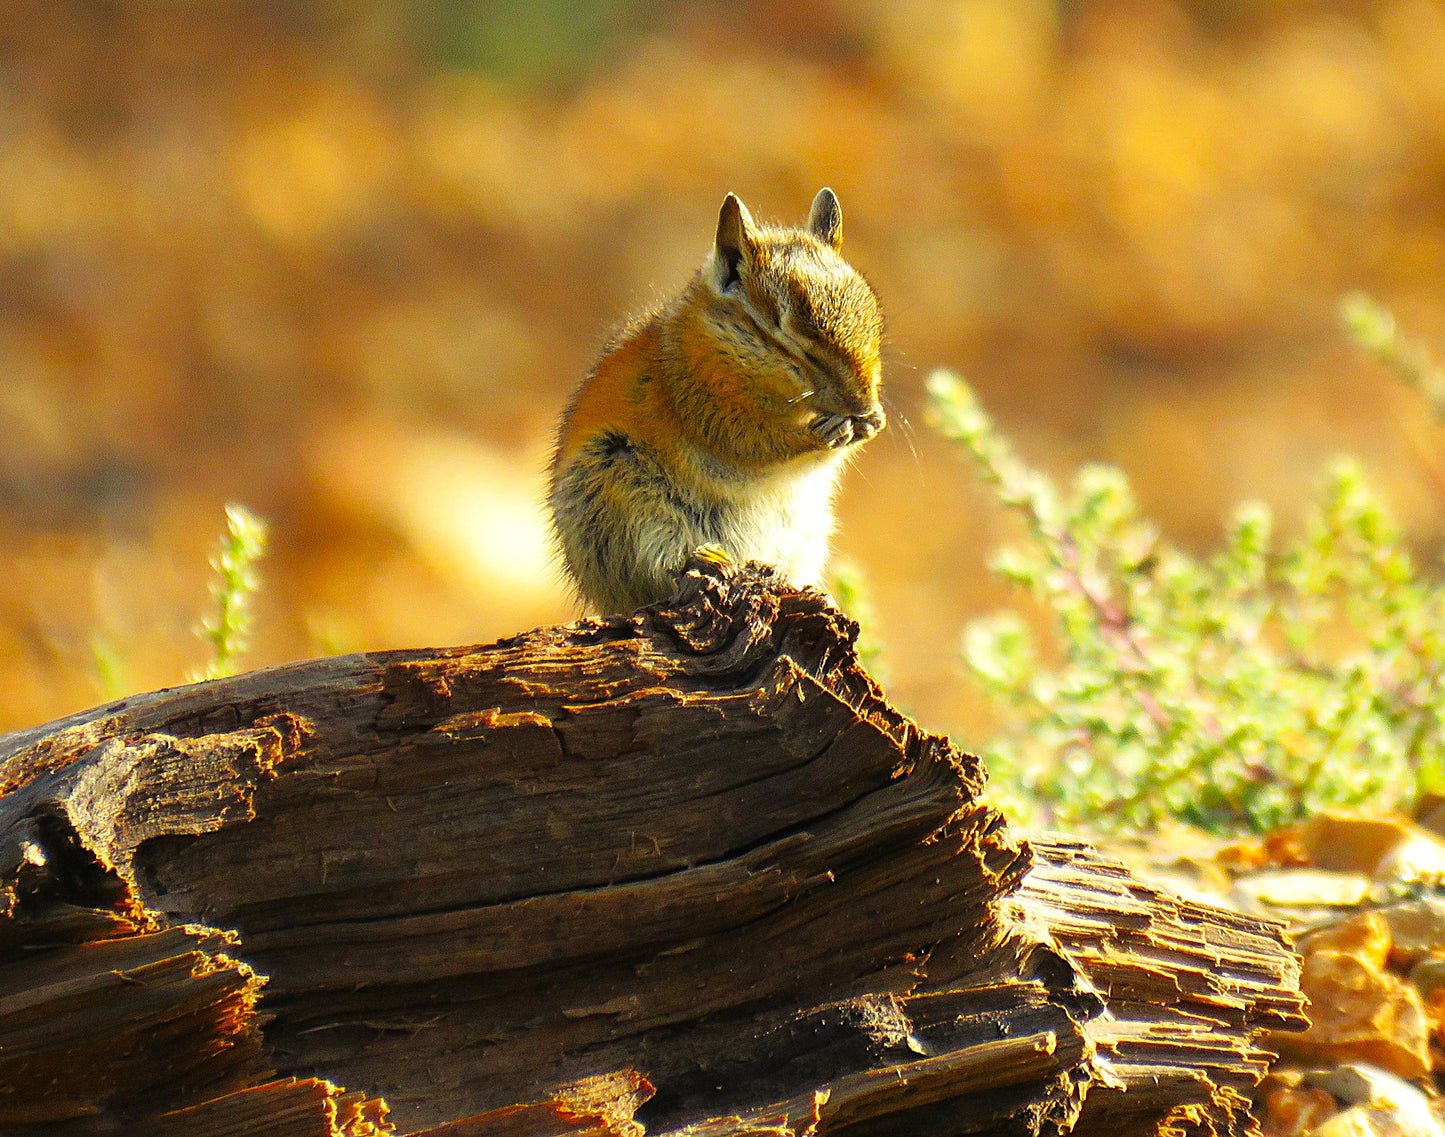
722,418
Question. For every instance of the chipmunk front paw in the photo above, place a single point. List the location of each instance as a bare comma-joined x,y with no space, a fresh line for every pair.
837,431
714,555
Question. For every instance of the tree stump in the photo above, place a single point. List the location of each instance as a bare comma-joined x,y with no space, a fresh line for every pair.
683,870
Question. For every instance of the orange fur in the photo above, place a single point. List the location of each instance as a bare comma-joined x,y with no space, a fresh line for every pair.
611,396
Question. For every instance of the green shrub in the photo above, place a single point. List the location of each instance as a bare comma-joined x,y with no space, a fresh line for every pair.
849,587
1241,691
228,631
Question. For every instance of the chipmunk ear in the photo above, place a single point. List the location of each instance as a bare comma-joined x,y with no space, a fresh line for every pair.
825,219
736,240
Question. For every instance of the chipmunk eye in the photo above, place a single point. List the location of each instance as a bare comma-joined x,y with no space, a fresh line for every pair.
815,360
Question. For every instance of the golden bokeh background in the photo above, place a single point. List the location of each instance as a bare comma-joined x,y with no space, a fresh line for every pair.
343,260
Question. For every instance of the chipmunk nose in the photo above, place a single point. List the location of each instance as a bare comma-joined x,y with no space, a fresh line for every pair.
866,425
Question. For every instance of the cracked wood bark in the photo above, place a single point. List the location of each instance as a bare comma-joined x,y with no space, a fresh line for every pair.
682,870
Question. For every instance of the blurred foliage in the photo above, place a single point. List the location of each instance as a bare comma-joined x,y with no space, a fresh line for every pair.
1372,326
1242,691
849,587
344,262
229,631
536,40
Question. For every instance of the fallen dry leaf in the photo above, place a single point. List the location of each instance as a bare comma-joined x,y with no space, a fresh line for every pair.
1290,1111
1359,1011
1365,936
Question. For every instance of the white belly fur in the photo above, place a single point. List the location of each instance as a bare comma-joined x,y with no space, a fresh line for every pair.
785,521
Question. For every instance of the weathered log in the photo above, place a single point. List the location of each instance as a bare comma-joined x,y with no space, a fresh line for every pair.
685,869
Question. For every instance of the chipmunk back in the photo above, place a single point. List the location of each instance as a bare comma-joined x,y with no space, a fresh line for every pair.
722,417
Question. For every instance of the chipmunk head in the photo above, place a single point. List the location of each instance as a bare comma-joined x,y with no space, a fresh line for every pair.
797,326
